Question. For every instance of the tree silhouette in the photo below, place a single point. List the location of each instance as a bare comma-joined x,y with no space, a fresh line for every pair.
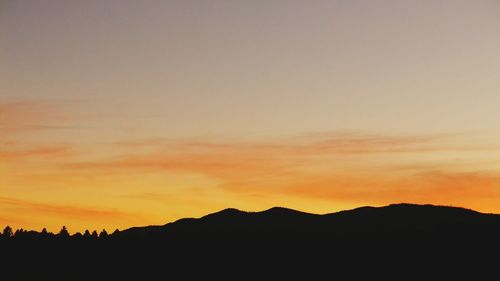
86,234
19,232
63,233
103,234
7,232
94,235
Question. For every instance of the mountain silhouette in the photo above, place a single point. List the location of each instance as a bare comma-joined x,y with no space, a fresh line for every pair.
286,242
397,221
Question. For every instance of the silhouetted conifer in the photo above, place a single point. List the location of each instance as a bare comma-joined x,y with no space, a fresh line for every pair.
64,232
19,233
103,234
7,232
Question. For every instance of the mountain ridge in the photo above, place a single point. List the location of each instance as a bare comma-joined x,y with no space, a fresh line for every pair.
386,220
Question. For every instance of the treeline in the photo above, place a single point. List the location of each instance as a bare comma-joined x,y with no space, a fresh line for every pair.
21,234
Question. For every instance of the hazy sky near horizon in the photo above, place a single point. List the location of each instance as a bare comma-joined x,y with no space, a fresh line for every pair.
121,113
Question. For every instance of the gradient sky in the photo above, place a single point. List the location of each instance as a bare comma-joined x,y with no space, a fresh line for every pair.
123,113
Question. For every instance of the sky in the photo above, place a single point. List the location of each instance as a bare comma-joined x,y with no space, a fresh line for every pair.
124,113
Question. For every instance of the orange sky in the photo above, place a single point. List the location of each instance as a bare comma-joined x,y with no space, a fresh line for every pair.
129,113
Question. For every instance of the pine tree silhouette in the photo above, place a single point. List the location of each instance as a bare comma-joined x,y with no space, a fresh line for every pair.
7,232
103,234
63,233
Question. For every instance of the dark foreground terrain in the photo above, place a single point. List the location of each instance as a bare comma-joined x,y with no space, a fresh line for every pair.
399,241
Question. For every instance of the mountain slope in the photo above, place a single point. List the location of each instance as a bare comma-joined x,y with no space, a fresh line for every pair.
393,221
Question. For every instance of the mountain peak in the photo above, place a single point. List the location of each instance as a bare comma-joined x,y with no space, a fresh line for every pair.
229,212
281,210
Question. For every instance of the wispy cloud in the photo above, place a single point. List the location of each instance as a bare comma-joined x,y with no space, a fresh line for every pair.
64,211
422,187
45,152
217,157
140,143
27,116
312,144
4,221
330,166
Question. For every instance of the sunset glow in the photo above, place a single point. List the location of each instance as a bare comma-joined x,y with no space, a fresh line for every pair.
122,113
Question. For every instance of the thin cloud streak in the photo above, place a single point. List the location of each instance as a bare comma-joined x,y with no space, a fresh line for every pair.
65,211
4,221
28,116
331,143
43,152
419,187
206,156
